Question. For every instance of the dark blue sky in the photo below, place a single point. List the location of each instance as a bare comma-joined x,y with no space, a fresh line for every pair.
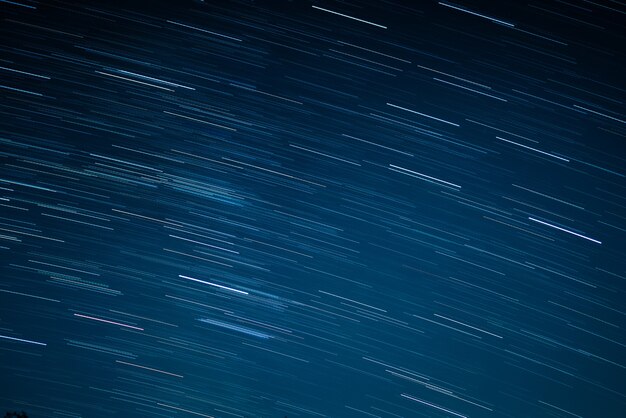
313,209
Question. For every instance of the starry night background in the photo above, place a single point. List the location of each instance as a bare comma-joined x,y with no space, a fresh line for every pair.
313,209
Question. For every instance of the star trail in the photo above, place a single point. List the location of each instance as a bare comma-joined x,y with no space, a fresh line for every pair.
313,208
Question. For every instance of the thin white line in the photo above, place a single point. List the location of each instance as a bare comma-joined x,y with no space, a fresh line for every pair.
169,83
565,230
453,76
30,296
477,14
469,326
133,81
598,113
108,322
185,410
21,340
24,72
199,120
18,4
21,91
375,52
467,88
533,149
203,30
378,145
148,368
424,175
325,155
213,284
350,17
432,405
421,114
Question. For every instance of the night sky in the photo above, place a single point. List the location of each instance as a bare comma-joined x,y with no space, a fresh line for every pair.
313,209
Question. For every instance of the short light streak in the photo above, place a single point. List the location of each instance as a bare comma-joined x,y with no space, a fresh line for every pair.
205,244
168,83
377,145
422,114
423,175
469,326
28,185
21,91
237,328
185,410
349,17
353,301
149,368
30,296
453,76
533,149
374,52
472,90
24,72
564,230
272,171
133,81
600,114
6,337
108,322
433,405
478,14
213,284
560,409
18,4
203,30
325,155
199,120
276,352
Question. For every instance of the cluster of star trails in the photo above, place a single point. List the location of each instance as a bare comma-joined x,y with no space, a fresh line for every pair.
313,209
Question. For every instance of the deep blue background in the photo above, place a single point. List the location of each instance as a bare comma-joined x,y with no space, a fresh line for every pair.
352,257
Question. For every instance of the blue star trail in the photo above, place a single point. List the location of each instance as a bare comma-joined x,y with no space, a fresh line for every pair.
313,209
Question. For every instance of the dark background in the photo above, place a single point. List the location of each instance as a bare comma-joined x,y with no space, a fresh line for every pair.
254,147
